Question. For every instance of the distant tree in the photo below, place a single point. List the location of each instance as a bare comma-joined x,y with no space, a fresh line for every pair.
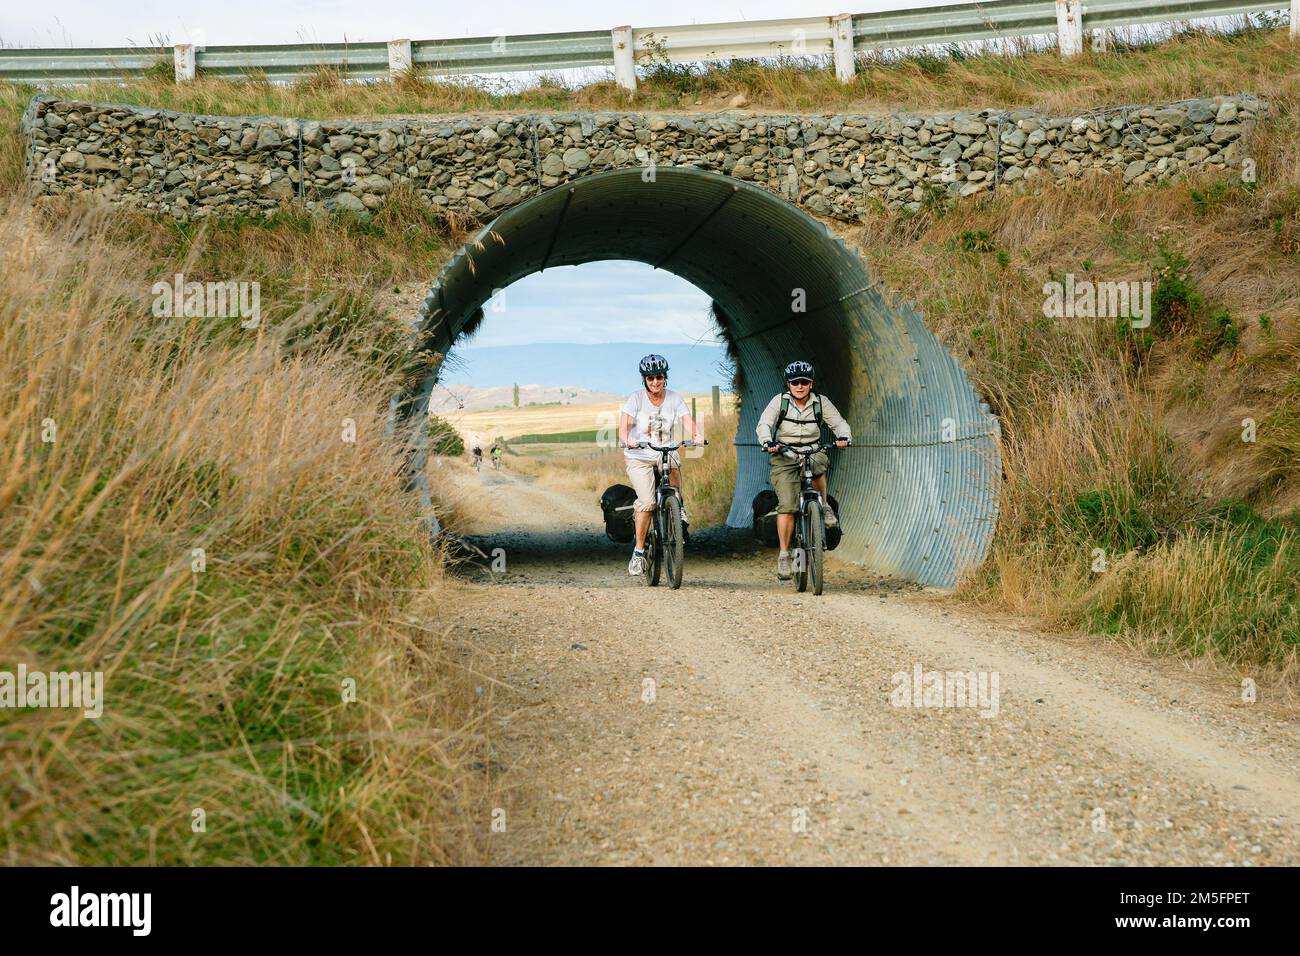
443,438
516,394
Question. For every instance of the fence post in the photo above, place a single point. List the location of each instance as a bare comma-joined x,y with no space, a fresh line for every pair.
1295,19
399,58
1069,27
624,59
183,57
695,412
717,403
842,45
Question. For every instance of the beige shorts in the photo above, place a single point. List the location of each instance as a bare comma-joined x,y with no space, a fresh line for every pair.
787,477
643,478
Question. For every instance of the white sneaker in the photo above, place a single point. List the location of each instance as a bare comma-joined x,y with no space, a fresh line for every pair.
685,520
783,566
829,519
637,565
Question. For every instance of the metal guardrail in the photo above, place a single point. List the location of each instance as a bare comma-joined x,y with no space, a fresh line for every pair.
363,61
962,23
1113,14
514,54
753,39
840,36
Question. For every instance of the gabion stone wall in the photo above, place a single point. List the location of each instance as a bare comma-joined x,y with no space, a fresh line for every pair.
192,166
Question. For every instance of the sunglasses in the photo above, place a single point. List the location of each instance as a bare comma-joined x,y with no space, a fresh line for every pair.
654,378
800,381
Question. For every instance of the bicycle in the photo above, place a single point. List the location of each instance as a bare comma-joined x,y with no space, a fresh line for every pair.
809,542
478,462
664,542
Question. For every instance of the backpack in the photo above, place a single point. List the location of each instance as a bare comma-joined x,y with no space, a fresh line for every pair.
785,413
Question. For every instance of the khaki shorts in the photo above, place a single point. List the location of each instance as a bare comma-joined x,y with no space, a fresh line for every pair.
643,478
787,476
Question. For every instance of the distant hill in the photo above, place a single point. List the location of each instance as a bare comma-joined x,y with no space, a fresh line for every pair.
609,367
450,398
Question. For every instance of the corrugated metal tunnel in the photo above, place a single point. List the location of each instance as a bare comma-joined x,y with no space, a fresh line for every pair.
919,487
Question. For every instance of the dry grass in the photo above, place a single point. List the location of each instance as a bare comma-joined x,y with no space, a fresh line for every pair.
129,442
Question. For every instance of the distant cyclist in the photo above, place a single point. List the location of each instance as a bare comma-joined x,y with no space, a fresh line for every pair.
497,451
478,456
649,415
795,417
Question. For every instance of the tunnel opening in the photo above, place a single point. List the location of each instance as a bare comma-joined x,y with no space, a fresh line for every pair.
918,488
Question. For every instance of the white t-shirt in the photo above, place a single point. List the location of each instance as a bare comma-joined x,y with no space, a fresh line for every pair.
652,423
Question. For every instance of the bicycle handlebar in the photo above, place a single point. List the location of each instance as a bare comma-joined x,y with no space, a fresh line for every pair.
796,450
672,447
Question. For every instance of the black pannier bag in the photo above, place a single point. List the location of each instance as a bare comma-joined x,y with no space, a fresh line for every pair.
764,507
765,517
616,503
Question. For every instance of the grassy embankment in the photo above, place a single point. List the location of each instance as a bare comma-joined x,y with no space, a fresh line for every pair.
1136,442
278,696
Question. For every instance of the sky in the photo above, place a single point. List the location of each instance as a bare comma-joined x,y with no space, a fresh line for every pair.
611,301
91,23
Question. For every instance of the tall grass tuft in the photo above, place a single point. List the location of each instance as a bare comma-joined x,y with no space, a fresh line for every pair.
180,510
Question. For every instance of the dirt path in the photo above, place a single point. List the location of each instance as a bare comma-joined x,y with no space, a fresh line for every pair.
735,721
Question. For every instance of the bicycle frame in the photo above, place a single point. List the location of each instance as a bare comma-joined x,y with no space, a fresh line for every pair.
804,455
806,564
657,534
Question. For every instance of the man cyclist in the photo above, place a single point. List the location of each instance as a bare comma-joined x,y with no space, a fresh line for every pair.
478,456
649,415
795,417
497,452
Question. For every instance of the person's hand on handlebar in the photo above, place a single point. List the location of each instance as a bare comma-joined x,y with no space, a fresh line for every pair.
841,442
772,447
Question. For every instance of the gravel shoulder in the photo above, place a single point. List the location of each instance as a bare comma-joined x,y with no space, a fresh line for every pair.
737,722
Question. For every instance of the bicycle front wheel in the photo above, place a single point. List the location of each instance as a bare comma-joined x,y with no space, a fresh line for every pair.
653,553
815,545
799,553
673,551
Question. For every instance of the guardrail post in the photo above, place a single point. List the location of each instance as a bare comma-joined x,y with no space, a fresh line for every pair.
842,45
399,58
183,56
624,60
1069,27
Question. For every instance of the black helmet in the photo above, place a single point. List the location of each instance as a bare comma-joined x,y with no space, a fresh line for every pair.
652,364
798,370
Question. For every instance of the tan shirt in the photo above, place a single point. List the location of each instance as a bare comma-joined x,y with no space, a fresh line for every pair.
800,425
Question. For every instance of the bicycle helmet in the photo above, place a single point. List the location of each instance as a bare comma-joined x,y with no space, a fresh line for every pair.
798,369
653,364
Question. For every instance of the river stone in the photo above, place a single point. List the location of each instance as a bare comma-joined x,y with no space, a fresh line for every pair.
575,158
553,165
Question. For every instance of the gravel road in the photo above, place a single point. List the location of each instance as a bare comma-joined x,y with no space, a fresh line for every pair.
737,722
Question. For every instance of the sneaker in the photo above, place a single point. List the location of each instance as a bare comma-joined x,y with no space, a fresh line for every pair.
637,565
829,519
685,520
783,566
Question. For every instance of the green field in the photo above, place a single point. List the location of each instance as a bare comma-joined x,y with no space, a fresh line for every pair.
588,436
